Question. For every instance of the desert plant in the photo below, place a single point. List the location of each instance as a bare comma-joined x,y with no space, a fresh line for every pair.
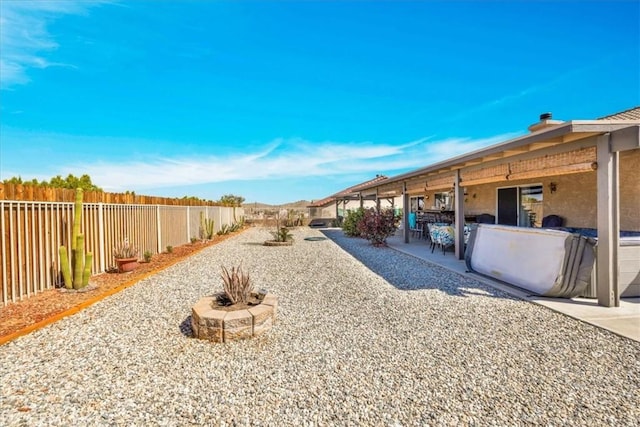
224,230
376,226
236,284
194,240
169,249
350,223
125,250
147,256
206,227
80,262
282,235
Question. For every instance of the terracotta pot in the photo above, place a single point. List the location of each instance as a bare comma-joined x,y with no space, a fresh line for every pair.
127,264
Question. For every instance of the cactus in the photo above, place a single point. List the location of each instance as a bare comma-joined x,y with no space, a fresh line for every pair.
80,261
206,227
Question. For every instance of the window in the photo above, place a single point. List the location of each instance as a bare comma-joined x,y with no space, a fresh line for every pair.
443,201
417,204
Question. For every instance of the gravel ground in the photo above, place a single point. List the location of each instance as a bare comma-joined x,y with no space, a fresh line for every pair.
364,336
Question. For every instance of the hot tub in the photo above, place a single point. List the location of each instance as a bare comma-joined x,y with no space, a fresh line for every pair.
551,263
628,262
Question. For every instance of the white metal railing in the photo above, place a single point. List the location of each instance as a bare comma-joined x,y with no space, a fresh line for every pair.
32,232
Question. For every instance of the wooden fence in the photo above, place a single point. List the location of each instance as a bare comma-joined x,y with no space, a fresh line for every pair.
32,231
28,192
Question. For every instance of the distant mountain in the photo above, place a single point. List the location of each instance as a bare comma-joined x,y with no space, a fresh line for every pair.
300,204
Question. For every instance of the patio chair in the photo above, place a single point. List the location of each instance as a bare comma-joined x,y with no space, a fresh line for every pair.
552,221
486,218
417,230
446,237
433,235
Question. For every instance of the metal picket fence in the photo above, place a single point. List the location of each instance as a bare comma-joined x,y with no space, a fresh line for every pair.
31,233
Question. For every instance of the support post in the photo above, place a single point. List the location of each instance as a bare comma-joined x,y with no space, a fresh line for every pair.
405,212
459,216
608,224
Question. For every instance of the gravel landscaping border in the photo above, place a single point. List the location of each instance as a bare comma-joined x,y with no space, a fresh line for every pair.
364,336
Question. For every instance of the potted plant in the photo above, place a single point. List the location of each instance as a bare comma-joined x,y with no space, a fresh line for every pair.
126,256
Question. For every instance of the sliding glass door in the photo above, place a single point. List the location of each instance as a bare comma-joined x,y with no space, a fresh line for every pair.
520,206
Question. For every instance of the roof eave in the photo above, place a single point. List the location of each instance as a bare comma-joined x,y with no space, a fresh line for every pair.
558,131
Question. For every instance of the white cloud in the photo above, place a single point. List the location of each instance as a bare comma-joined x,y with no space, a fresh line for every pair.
295,158
284,159
25,41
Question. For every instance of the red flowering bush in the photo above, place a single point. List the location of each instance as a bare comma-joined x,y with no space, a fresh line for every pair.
376,226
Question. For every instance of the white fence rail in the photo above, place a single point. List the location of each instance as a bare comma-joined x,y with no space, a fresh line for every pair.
32,232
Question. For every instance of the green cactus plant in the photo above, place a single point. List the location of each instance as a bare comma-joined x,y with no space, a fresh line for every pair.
206,227
80,265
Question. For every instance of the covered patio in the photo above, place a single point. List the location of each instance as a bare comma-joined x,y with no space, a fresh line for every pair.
593,163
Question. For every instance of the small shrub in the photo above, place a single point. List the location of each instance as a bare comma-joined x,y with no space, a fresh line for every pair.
376,226
237,285
224,230
169,249
194,240
282,235
147,256
350,223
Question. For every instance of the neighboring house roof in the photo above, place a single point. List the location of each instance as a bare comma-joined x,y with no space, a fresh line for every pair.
630,114
346,192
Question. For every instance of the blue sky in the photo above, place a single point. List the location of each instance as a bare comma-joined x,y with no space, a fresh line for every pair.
282,101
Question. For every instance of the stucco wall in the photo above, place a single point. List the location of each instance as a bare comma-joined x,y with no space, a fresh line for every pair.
630,190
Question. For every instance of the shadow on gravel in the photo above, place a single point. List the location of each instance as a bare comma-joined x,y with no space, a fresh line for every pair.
408,273
185,327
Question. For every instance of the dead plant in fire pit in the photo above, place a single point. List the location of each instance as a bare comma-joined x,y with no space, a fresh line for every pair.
237,286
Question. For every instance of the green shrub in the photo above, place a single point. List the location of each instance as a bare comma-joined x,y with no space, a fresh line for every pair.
350,222
282,235
376,226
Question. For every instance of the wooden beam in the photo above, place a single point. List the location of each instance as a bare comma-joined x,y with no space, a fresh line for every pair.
559,170
473,162
487,180
495,156
625,139
514,152
541,145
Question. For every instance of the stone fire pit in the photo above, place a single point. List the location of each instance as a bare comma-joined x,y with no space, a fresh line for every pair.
222,324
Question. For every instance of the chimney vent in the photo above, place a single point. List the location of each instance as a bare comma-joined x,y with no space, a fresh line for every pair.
545,122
